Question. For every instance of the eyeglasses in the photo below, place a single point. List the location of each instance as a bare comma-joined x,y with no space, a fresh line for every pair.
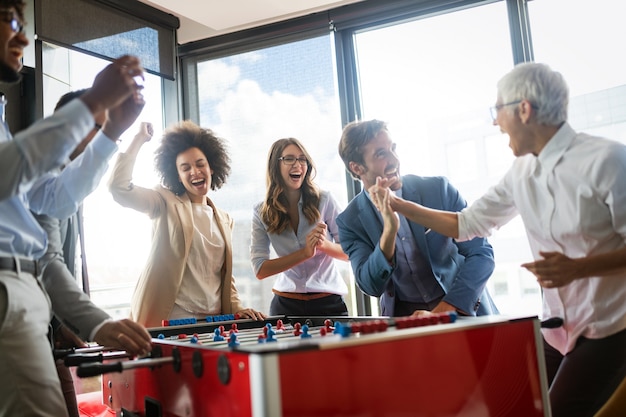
495,109
291,160
9,16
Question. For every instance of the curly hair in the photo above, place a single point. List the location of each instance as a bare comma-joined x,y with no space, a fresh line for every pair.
18,5
183,136
274,209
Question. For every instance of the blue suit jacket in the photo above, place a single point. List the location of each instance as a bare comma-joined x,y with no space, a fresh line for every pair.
461,268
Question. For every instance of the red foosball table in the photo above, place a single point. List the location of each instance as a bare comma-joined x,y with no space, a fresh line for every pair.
489,366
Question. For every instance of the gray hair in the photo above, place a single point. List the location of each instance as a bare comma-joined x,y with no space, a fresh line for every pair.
546,90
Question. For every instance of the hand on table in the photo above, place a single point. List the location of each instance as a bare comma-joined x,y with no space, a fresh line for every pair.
126,335
249,313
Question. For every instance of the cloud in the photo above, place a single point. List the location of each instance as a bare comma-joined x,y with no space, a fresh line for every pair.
252,119
216,78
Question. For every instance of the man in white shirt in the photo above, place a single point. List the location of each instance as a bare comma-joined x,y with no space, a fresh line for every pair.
570,189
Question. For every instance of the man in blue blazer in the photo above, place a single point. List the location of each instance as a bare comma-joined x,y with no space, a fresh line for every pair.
410,268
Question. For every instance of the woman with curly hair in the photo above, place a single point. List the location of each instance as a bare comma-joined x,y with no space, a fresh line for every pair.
189,269
298,221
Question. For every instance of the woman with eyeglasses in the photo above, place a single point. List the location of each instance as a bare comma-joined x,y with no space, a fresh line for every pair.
298,220
189,269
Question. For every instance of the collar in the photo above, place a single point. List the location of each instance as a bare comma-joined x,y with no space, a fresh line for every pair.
552,153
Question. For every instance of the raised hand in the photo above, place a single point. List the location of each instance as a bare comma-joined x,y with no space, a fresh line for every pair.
122,116
382,198
147,130
114,84
144,135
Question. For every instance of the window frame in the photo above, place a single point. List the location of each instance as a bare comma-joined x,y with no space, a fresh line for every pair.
345,22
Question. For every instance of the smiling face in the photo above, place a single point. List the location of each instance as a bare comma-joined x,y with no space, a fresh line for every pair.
194,173
12,45
293,175
380,160
512,121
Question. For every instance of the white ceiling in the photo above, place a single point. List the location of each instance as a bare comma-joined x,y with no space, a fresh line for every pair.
200,19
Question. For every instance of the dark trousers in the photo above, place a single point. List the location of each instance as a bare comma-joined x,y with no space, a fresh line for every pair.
332,305
406,308
584,379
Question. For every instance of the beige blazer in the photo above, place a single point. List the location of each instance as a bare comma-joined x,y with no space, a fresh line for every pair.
155,293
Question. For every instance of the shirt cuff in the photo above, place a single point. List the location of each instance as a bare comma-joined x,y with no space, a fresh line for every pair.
104,145
95,330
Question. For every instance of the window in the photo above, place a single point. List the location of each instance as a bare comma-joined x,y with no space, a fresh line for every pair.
434,88
585,48
117,239
254,98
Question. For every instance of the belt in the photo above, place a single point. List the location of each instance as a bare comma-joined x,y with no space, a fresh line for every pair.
25,265
302,296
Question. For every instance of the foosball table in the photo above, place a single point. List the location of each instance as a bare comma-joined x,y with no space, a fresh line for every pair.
340,366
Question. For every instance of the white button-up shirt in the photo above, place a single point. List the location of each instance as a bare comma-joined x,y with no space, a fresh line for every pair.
572,199
317,274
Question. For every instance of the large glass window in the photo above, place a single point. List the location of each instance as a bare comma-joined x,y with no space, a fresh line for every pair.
253,99
434,88
586,48
117,240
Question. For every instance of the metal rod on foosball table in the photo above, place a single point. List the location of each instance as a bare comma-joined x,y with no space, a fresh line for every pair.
208,327
93,369
61,353
77,359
